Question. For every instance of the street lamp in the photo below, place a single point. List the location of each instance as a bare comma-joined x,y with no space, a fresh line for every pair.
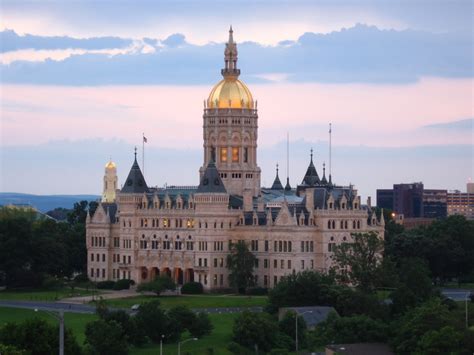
161,344
296,327
467,320
60,317
185,341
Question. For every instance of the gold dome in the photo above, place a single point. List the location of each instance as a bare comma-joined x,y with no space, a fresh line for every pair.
110,165
230,93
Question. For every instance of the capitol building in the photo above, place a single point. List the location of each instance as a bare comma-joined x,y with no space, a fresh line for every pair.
140,232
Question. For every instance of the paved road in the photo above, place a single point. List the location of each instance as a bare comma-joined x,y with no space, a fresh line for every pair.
456,294
83,308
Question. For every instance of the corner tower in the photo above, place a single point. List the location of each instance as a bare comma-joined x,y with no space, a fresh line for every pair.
230,127
110,182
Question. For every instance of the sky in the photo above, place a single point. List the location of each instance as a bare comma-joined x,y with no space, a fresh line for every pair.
81,81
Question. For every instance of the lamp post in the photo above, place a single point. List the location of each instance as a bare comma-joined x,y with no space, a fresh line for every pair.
161,344
60,317
467,313
185,341
296,327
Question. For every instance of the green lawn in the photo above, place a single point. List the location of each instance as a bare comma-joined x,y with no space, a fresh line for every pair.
193,301
468,286
43,295
220,337
75,321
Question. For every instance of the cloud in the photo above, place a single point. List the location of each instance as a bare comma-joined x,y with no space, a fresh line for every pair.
360,54
460,125
11,41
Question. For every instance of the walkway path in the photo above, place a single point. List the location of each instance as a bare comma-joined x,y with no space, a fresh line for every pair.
84,308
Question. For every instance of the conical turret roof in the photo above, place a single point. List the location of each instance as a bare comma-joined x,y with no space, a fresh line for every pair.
311,177
277,185
211,180
135,182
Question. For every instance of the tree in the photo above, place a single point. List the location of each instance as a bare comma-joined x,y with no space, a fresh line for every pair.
240,263
409,330
157,286
183,316
287,326
446,340
201,325
252,329
415,286
105,338
359,262
447,245
307,288
355,329
154,322
38,337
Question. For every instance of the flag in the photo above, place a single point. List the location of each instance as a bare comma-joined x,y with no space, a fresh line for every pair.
145,140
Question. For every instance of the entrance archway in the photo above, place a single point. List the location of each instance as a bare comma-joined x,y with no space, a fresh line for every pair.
166,272
144,273
178,276
189,275
154,273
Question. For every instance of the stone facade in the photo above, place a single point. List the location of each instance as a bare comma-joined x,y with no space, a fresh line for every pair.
185,232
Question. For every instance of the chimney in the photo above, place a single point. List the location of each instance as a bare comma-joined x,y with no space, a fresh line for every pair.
309,194
248,200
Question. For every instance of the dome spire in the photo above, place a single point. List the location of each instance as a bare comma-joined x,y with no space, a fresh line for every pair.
230,57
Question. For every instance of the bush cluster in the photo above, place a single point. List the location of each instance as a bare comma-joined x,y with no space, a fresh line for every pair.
192,288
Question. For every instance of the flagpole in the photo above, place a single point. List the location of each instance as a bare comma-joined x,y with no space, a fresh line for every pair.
143,153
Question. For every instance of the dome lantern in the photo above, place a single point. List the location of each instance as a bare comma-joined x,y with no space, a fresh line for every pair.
230,92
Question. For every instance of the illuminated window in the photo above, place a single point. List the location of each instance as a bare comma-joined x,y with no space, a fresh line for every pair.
235,155
223,155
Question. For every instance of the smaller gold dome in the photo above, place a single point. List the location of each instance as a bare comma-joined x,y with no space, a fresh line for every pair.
110,165
230,93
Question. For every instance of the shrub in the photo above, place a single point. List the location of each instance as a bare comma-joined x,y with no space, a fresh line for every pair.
161,284
123,284
81,278
192,288
106,285
279,352
257,291
234,348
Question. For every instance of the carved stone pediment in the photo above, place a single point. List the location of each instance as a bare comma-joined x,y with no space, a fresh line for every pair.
284,217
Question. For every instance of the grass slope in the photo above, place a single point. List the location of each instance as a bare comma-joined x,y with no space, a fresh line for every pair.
193,301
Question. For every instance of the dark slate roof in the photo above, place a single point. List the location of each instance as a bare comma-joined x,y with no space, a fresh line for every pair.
112,208
211,180
311,177
135,182
287,187
277,183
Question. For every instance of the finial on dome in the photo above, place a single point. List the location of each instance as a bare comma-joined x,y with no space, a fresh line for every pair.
230,57
135,153
311,154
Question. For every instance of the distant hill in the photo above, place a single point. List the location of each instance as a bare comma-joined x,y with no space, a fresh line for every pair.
44,203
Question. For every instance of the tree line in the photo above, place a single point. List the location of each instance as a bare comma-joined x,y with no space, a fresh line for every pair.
36,251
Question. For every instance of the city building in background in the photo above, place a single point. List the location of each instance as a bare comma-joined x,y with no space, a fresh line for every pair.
462,203
186,232
414,201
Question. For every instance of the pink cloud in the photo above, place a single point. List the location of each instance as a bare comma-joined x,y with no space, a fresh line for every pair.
171,116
